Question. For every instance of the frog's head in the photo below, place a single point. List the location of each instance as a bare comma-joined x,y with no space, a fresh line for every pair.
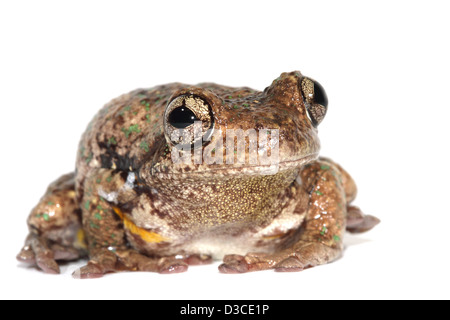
277,128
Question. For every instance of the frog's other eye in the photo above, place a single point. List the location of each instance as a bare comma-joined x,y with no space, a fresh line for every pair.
316,100
184,117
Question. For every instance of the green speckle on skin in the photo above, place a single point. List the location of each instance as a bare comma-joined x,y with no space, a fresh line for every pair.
336,238
87,205
147,117
94,226
112,141
324,230
113,235
131,129
109,179
99,207
144,146
98,216
50,203
230,97
325,167
98,180
89,159
46,217
319,193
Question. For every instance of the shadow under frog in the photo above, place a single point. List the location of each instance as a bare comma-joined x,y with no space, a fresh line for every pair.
129,207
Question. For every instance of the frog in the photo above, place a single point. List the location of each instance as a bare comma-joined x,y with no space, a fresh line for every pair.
129,206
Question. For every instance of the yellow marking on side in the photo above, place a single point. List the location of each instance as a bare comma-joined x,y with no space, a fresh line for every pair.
147,236
81,242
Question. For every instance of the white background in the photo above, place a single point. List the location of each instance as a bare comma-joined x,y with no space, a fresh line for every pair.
384,65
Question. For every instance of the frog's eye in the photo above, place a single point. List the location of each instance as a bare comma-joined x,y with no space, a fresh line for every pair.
316,100
188,119
182,117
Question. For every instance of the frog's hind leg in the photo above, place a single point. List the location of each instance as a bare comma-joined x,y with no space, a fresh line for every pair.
55,231
108,230
357,221
320,239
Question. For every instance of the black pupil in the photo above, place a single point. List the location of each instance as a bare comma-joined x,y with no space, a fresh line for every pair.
182,117
320,96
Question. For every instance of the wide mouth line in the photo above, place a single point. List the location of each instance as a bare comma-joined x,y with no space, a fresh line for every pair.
232,168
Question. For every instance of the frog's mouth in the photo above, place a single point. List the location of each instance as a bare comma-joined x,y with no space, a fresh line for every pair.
162,171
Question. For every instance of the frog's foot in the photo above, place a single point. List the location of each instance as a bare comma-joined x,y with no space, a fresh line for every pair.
42,253
105,261
301,256
358,222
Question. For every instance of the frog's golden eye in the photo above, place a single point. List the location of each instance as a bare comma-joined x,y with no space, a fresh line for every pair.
185,116
316,100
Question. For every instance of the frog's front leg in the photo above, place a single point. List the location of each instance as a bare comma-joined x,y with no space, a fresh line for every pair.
319,240
55,228
111,233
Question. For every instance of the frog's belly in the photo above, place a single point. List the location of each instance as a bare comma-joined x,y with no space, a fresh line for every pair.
226,239
217,247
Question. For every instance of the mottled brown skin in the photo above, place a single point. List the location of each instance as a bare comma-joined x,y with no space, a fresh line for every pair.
129,207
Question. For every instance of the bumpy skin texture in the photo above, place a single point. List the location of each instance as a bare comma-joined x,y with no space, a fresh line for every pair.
128,206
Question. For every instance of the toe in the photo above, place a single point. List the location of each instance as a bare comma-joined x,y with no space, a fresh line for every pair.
234,267
290,264
48,265
26,255
90,271
171,267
